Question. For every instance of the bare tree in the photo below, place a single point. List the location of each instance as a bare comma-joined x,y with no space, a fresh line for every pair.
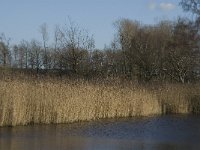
182,52
191,5
35,55
57,52
97,61
21,54
74,41
126,31
5,55
45,37
141,48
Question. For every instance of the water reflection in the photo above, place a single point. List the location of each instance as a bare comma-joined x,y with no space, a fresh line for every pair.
162,133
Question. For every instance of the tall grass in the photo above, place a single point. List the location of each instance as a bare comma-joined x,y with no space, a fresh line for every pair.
54,101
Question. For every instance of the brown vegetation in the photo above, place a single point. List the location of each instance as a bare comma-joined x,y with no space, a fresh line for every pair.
56,101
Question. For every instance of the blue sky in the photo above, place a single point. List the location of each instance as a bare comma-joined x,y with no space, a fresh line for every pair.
20,19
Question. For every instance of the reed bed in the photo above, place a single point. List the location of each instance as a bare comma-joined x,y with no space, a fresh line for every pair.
46,102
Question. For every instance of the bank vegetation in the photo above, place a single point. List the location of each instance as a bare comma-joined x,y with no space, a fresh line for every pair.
146,70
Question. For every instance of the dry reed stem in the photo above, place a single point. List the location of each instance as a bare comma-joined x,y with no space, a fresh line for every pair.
23,103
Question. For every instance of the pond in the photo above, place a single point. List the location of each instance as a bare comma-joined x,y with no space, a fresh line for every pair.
146,133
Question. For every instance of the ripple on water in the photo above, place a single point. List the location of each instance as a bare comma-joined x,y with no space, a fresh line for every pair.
159,132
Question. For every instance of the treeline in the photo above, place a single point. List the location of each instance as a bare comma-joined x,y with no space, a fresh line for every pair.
166,51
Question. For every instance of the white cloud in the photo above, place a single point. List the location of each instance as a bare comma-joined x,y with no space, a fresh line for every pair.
167,6
152,5
164,6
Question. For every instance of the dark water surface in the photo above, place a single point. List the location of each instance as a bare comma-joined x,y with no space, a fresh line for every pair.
149,133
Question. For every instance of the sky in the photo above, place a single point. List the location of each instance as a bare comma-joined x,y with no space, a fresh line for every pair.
21,19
